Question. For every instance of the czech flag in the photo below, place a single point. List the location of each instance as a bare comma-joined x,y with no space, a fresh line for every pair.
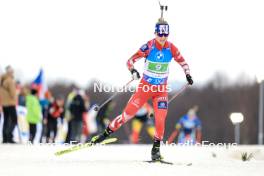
40,84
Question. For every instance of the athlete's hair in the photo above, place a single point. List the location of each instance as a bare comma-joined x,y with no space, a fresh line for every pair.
161,21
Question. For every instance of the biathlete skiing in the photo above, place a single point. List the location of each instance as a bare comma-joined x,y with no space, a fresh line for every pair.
158,54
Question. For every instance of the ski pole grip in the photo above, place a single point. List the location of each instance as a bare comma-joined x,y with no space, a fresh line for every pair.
95,107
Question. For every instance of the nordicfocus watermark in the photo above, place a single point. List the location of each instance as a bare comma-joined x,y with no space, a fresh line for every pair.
202,144
71,143
100,87
187,143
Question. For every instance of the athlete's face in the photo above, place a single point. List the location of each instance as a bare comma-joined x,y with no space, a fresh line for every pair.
162,33
161,38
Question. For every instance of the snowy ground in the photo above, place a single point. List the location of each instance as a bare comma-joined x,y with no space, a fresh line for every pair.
127,160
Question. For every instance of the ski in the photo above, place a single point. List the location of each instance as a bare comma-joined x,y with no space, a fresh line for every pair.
169,163
159,161
82,146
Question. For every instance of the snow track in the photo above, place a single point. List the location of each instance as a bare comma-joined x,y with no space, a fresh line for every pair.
127,160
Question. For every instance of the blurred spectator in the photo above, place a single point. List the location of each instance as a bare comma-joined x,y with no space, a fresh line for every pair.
1,110
68,102
188,128
86,130
142,117
77,109
34,114
0,97
22,92
55,111
68,115
45,103
8,98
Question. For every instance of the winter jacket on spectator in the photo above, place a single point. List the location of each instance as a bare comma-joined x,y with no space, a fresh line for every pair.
55,111
8,90
77,108
34,114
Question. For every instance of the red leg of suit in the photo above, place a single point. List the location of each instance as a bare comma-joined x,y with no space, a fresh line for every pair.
137,101
160,105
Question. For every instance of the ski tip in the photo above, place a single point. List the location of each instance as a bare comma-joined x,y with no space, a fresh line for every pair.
88,144
59,153
110,140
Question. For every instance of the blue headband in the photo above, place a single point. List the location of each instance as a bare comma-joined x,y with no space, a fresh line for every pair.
162,29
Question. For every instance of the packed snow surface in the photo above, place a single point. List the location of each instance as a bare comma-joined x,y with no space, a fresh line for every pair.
128,160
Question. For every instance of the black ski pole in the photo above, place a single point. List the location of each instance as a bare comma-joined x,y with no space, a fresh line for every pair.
178,92
97,107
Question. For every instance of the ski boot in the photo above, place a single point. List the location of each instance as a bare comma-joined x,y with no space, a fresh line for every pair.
155,152
101,137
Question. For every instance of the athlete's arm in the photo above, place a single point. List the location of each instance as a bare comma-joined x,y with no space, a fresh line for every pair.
142,52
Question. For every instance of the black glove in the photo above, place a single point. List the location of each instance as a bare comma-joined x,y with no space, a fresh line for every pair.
189,79
135,74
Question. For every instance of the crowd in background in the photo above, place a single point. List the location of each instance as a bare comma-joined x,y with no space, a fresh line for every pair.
66,119
47,111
